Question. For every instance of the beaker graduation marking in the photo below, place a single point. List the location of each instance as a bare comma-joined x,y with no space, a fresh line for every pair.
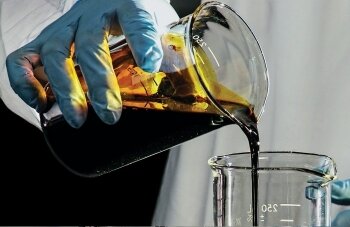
286,220
289,205
214,56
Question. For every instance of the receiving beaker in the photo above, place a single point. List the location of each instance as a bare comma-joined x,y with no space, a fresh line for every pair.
212,69
293,189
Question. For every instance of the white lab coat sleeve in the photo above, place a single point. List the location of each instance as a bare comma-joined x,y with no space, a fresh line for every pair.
19,24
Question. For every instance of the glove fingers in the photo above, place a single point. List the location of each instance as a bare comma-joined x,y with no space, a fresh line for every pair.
341,192
59,67
342,219
20,65
142,34
93,57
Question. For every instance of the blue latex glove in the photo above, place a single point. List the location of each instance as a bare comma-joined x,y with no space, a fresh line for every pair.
342,219
341,192
341,196
87,25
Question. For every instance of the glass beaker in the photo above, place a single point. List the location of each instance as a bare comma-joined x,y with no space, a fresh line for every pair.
294,189
212,68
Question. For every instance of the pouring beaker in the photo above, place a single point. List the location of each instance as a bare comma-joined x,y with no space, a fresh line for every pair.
212,68
294,189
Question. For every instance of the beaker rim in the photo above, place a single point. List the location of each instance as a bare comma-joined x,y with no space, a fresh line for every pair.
189,44
317,164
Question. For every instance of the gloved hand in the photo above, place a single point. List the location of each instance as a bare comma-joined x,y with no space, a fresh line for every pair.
342,219
341,192
341,196
86,27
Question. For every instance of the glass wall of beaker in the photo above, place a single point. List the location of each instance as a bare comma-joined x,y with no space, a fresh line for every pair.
293,189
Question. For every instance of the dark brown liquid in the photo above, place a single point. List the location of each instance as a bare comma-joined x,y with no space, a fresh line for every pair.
97,148
249,127
160,111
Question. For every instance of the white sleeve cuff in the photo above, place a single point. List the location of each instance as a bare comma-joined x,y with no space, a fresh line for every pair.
19,24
